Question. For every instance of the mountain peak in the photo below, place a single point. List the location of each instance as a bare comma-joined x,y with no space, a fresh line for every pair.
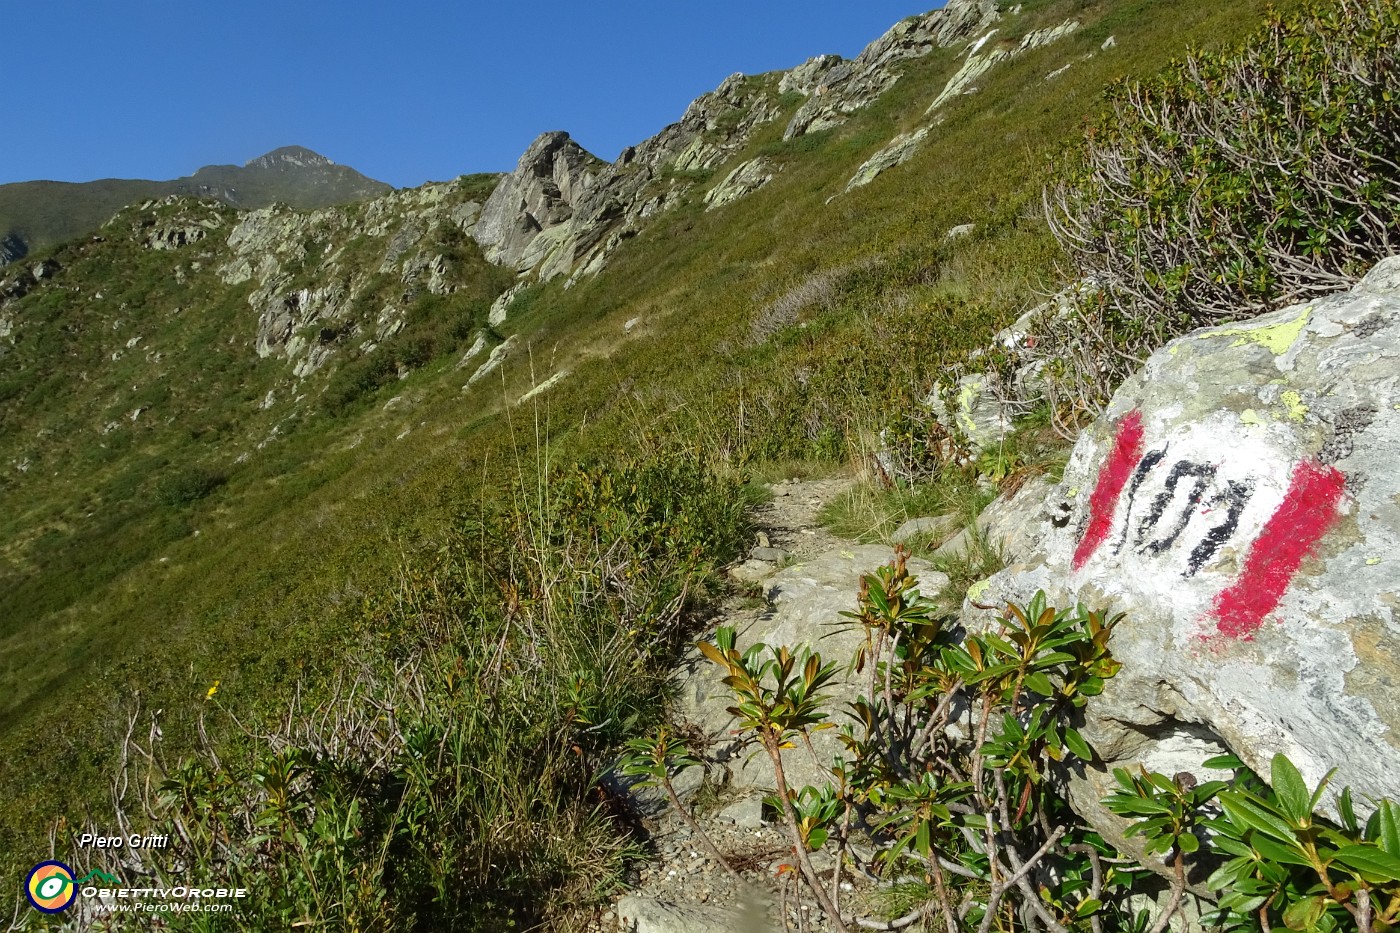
289,156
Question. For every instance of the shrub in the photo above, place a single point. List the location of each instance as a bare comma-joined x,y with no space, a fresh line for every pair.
975,808
970,809
1230,184
446,778
189,485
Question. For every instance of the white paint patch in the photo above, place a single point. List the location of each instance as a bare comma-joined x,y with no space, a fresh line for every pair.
1197,500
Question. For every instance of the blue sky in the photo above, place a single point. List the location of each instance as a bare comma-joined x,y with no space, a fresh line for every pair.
406,92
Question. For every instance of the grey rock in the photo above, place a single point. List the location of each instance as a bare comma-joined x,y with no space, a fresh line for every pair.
1110,43
1251,539
933,527
12,247
478,345
752,571
265,243
501,306
807,599
773,554
1014,523
494,361
840,88
638,914
899,150
16,286
563,212
977,64
551,178
745,179
745,813
976,410
955,547
982,57
544,387
807,77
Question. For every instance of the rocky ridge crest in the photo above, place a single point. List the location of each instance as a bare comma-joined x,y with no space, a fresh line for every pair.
563,211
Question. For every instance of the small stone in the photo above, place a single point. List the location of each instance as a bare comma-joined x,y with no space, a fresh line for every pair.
746,813
773,554
936,528
956,547
752,571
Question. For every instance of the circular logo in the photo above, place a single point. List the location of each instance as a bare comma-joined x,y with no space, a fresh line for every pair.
50,887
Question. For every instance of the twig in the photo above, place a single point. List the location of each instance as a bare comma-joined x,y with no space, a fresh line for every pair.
1178,890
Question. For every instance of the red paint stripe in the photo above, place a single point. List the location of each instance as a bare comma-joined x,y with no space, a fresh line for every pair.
1113,476
1308,510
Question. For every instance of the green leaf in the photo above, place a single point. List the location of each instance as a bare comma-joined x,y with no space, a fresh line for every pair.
1371,862
1040,684
1292,791
1229,875
1231,846
1304,914
1279,854
1076,744
1244,812
1225,762
1384,827
1124,804
973,820
1087,908
922,839
1348,812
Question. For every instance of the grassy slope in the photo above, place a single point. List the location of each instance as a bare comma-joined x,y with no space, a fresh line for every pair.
315,521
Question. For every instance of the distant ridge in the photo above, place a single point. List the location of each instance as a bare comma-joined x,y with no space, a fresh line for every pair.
38,214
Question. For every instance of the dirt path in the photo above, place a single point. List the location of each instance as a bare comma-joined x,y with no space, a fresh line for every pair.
682,890
790,519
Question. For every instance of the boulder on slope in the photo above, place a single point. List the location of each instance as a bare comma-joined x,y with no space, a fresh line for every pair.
1239,501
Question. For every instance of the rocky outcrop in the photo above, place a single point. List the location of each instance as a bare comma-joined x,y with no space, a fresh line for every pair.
550,181
12,247
746,178
494,361
543,387
172,222
501,306
980,61
900,150
969,20
1238,500
283,251
974,411
563,211
839,88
